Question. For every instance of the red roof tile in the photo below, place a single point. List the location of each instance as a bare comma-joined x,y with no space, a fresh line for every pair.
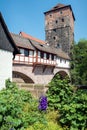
30,37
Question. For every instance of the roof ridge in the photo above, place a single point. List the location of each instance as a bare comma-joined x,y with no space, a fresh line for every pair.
18,35
23,34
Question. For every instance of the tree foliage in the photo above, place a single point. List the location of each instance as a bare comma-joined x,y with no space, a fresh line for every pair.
79,63
74,113
71,104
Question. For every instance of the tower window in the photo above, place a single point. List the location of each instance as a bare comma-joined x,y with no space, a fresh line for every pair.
60,12
56,21
62,19
54,30
54,38
58,45
50,15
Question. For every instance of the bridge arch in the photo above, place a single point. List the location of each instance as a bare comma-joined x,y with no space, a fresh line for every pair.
21,77
62,74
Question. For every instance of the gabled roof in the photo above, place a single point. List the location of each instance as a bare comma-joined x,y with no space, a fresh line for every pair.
11,46
32,44
48,49
22,42
31,38
60,6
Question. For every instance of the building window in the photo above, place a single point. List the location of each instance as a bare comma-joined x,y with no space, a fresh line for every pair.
52,57
60,60
65,61
41,54
31,53
47,56
21,51
26,52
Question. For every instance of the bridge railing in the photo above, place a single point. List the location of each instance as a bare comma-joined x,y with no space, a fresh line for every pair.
24,59
46,61
21,59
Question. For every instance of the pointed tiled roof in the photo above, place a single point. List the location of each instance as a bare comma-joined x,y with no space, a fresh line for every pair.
22,42
31,38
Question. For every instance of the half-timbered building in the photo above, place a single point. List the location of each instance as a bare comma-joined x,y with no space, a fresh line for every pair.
38,62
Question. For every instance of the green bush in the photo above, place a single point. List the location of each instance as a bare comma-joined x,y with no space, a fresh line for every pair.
74,113
18,109
12,102
71,103
59,92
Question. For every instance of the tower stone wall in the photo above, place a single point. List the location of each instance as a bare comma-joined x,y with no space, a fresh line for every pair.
59,27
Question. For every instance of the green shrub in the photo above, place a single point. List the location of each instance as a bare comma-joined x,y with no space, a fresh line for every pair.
74,113
71,103
59,92
10,84
18,109
12,102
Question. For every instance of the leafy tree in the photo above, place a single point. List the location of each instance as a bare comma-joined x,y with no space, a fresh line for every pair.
79,63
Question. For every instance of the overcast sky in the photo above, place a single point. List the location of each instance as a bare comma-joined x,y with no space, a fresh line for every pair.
28,16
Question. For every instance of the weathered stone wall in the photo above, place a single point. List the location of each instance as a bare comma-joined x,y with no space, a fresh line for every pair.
59,29
35,89
60,38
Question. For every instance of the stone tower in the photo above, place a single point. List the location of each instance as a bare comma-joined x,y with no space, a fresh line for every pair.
59,27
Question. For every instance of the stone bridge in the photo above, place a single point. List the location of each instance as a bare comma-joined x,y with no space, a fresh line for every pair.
37,74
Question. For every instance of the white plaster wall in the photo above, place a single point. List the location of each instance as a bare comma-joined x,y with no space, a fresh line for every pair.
62,63
5,67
